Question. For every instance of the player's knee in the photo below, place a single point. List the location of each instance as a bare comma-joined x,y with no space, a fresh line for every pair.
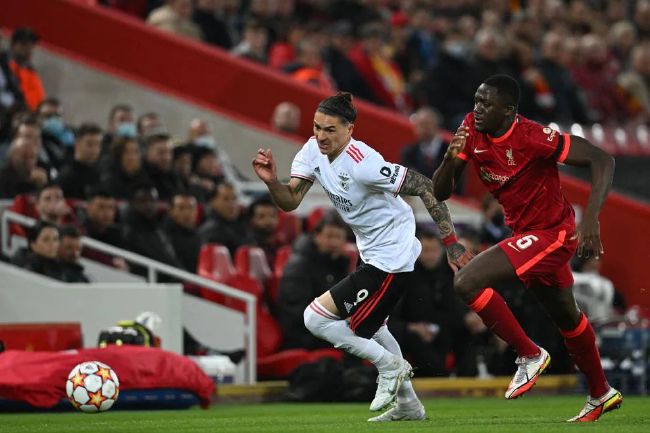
315,322
465,285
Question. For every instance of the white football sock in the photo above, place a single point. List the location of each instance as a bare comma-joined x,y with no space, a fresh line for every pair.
329,327
405,394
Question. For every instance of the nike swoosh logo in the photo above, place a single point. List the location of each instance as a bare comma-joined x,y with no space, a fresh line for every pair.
479,150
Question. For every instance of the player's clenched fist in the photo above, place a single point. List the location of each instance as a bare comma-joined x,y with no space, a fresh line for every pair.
457,143
264,166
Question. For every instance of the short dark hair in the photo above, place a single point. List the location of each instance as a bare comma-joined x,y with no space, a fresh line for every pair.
118,107
69,231
142,185
507,88
36,229
149,115
118,147
426,233
264,200
24,34
49,185
88,128
217,187
155,138
339,105
97,191
48,101
330,218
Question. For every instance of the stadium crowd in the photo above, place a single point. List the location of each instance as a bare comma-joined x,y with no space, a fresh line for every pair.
131,184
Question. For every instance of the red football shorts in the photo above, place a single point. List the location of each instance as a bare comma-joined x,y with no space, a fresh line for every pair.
542,256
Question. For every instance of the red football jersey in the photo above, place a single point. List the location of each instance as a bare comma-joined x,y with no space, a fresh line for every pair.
520,170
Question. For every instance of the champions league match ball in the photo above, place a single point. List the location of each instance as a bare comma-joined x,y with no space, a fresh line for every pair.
92,387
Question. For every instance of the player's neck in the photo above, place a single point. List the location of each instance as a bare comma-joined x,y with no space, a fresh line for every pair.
505,127
335,155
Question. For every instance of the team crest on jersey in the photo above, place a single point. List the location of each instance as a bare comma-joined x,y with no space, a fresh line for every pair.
511,160
550,132
344,180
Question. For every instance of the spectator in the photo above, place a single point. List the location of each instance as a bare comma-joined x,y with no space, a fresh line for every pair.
51,206
286,117
594,293
180,227
57,138
284,52
11,97
212,27
567,107
622,39
82,173
20,174
378,70
198,134
27,127
263,223
121,123
149,124
335,57
208,171
142,234
158,165
223,225
23,41
253,43
493,228
316,264
125,168
636,80
429,310
99,224
69,254
427,153
175,17
308,66
43,245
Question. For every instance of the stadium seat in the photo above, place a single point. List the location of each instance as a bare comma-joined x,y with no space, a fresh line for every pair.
288,229
251,261
281,258
314,218
351,251
215,263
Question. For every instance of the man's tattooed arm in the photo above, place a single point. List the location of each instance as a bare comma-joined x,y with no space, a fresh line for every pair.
417,184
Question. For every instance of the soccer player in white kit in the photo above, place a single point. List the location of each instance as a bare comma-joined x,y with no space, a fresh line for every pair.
365,189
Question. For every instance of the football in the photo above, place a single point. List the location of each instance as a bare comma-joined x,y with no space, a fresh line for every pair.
92,387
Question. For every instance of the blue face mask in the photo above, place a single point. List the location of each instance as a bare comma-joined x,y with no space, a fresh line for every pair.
54,126
206,141
126,129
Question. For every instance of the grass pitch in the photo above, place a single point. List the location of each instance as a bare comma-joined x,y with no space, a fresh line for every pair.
530,414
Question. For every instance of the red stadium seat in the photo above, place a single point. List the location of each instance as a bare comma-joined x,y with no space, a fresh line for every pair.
288,229
314,218
281,259
351,251
215,263
251,261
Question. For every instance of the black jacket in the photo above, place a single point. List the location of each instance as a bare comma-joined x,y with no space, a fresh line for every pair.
118,183
76,178
143,236
186,243
73,273
39,264
13,182
167,183
307,275
231,234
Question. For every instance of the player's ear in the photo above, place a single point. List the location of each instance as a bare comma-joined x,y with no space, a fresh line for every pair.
511,109
350,128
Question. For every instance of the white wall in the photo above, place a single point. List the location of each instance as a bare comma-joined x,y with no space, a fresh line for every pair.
88,94
26,297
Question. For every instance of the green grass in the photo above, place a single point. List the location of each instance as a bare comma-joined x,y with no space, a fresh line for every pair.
531,414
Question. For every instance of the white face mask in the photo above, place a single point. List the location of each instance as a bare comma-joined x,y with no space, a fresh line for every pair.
206,141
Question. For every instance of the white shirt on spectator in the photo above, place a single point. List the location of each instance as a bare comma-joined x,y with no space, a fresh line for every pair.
364,189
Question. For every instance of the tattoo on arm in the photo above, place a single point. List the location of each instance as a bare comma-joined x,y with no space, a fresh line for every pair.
301,189
417,184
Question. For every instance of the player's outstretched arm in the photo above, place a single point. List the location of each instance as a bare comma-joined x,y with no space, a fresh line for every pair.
417,184
584,154
286,196
447,174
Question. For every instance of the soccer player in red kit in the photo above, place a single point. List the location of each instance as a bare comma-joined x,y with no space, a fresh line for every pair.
517,161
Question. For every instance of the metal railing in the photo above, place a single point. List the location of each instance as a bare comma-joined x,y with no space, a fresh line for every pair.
10,244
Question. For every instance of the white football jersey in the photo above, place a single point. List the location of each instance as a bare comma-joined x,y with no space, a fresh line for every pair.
364,189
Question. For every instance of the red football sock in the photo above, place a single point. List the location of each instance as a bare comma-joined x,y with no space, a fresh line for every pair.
497,316
581,343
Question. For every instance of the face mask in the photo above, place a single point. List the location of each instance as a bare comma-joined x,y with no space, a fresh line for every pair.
456,49
206,141
53,126
126,129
